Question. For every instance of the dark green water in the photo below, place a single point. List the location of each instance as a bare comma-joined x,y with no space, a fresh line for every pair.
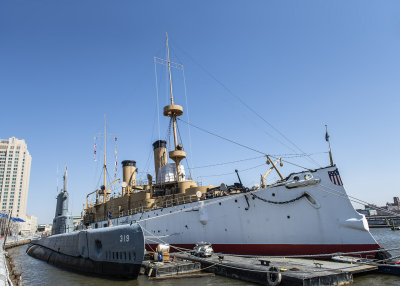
36,272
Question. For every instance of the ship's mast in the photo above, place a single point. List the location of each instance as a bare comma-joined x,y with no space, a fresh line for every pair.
172,98
169,72
105,160
173,111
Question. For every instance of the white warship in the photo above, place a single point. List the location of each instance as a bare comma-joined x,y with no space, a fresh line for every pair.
304,213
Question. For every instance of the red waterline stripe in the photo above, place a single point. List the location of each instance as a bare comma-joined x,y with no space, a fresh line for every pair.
282,249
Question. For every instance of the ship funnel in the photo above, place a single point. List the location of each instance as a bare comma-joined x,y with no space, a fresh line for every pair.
160,155
129,174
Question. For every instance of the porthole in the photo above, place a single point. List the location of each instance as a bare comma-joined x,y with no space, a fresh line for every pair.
219,203
235,201
296,178
288,216
273,194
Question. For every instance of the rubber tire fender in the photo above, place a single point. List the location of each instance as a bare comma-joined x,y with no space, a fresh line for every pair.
274,276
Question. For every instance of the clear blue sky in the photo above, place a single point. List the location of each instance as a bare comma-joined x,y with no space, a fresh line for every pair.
299,64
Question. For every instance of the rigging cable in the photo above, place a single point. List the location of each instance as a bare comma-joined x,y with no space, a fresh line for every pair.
230,173
239,144
147,166
188,119
158,106
355,200
249,108
186,250
187,161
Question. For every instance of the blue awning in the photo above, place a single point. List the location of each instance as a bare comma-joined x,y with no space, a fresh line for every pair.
16,219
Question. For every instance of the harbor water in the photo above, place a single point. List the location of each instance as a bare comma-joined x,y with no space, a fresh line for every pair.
36,272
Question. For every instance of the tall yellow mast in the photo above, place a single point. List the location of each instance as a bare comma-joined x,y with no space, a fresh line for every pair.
105,151
173,111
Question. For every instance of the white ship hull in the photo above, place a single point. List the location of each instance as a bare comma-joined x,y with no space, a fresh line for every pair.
313,218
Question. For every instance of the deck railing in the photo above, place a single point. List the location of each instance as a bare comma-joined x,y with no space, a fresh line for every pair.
169,202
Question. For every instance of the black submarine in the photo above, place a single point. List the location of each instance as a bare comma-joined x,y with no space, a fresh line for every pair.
115,251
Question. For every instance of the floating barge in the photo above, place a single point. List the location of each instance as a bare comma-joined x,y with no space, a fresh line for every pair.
280,271
172,269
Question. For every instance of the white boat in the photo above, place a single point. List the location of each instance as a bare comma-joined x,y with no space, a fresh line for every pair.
306,213
314,219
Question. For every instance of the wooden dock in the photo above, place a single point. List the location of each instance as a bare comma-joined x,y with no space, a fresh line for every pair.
12,244
293,271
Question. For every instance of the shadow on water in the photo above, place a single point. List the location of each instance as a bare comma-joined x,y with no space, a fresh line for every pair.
36,272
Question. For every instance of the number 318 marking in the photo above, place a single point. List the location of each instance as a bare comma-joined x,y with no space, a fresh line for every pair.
124,238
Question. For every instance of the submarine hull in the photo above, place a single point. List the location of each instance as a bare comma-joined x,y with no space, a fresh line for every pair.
115,251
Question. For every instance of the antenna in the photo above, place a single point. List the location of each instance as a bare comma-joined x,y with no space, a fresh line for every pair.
57,178
329,143
65,180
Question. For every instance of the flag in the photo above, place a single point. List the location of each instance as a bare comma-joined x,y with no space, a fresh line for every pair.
327,136
335,177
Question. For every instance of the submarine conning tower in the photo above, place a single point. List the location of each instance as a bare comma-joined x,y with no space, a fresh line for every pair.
129,171
62,222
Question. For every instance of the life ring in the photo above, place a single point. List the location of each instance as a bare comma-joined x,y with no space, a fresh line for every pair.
274,277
